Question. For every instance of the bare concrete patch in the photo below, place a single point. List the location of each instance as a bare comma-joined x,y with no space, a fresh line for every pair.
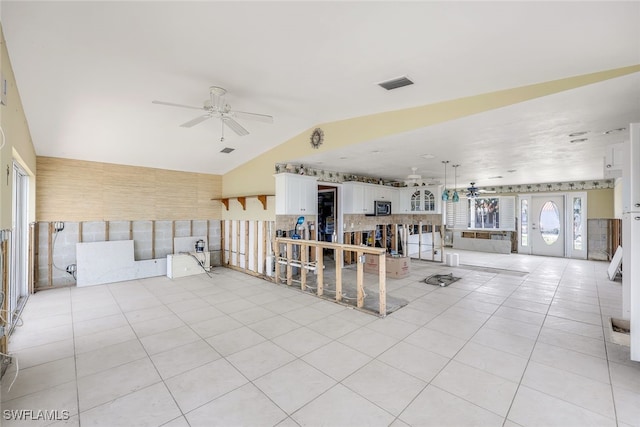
620,331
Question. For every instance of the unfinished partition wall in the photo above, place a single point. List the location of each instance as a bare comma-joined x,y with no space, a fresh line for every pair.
247,245
79,201
298,255
56,243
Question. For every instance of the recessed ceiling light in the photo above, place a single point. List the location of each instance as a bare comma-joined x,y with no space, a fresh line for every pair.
512,170
495,177
343,158
574,134
573,141
613,131
227,150
428,156
376,152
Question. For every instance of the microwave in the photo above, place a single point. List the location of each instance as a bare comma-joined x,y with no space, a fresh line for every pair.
382,208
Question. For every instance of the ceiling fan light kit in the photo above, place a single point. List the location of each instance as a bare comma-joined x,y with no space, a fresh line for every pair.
216,107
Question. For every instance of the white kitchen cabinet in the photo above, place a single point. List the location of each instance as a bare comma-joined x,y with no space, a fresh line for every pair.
425,199
360,198
614,161
384,192
357,198
296,194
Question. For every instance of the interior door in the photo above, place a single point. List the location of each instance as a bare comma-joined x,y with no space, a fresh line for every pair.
547,225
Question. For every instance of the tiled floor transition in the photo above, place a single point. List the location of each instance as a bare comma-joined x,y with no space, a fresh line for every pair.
493,349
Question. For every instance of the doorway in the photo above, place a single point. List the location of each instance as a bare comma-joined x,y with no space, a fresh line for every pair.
327,213
19,277
547,225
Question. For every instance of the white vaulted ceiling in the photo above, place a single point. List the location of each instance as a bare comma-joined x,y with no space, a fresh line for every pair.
88,71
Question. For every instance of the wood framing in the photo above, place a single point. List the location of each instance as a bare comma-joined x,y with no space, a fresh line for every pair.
304,263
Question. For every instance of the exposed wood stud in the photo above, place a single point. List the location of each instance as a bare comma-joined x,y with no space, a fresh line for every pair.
276,251
230,242
320,274
106,231
360,279
265,237
289,268
153,239
246,244
303,263
50,255
338,258
32,257
130,230
394,239
208,235
222,241
382,284
36,244
384,237
173,235
238,248
256,241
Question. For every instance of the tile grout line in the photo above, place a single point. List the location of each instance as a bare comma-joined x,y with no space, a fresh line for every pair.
456,353
533,348
606,353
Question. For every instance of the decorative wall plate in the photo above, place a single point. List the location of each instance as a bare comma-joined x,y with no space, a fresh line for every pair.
317,137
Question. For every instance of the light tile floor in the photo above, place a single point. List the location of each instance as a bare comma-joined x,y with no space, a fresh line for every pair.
494,348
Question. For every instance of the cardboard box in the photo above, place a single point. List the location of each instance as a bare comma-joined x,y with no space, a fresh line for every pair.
397,267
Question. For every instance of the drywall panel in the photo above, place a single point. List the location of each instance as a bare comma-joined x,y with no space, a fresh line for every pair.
108,262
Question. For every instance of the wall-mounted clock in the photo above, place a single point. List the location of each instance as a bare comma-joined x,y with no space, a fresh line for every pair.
317,136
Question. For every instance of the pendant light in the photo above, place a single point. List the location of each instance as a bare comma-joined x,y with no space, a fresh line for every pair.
445,193
456,197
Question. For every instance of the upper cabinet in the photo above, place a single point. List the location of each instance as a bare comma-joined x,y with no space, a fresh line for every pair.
614,160
296,194
358,197
424,199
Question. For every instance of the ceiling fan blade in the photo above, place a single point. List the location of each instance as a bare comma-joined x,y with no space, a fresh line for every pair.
235,126
253,116
195,121
176,105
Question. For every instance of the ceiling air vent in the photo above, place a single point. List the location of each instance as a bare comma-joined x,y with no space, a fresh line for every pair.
227,150
396,83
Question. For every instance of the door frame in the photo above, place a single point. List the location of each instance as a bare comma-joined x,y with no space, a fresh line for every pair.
19,258
571,250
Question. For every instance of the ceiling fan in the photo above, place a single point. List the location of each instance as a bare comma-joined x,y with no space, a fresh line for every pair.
474,191
216,106
413,177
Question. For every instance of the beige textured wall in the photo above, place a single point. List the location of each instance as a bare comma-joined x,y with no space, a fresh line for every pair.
601,203
74,190
18,145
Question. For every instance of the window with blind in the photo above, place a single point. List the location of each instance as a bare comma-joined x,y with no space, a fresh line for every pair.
482,213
